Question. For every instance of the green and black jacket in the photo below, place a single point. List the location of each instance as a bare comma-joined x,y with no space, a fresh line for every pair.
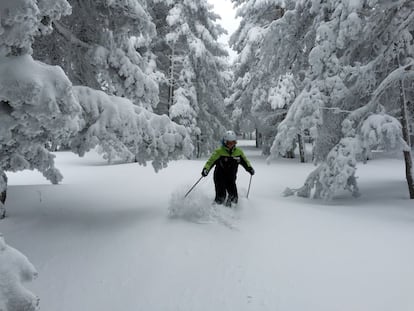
227,161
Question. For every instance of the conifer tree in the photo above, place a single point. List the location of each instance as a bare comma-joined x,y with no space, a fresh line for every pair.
195,68
249,98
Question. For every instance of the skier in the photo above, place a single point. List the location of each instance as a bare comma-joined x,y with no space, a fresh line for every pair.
226,159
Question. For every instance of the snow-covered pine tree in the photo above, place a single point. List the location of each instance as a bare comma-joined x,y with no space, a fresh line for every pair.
105,45
251,84
195,68
37,105
178,98
158,10
282,64
15,269
362,54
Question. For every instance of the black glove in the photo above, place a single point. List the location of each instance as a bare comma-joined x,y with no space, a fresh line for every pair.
204,172
251,170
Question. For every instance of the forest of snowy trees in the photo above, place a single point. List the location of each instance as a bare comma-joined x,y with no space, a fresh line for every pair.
338,73
148,81
141,81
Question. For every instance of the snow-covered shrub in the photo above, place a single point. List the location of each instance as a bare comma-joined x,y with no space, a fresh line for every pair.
382,131
338,171
15,268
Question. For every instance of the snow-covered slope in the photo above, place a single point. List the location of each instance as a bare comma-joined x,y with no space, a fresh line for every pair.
103,239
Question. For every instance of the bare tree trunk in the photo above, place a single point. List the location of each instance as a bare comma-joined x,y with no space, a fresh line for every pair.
290,154
198,147
171,81
406,136
258,139
409,172
3,194
301,148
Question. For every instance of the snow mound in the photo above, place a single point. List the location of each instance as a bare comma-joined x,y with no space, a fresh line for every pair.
198,207
15,269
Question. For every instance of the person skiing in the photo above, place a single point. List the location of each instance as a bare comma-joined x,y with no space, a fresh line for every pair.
226,160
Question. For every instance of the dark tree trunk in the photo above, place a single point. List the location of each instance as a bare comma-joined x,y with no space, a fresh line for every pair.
301,148
198,147
171,80
290,154
406,136
3,195
258,139
409,172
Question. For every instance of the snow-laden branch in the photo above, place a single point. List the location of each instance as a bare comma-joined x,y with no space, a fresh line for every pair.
404,24
126,131
37,107
398,74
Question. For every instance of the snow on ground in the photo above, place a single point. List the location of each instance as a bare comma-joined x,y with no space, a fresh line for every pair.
105,240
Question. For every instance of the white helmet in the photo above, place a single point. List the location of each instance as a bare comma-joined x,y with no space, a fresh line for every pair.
229,136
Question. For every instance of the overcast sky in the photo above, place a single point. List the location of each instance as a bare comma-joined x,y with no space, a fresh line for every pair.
224,8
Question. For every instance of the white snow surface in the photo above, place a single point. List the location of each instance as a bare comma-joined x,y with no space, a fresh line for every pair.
121,237
15,269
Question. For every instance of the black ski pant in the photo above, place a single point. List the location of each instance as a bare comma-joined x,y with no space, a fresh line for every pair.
225,185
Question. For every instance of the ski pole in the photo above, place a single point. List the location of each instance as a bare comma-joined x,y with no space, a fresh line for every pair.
248,190
193,186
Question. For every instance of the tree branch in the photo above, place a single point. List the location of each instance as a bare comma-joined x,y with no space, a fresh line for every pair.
394,76
62,30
